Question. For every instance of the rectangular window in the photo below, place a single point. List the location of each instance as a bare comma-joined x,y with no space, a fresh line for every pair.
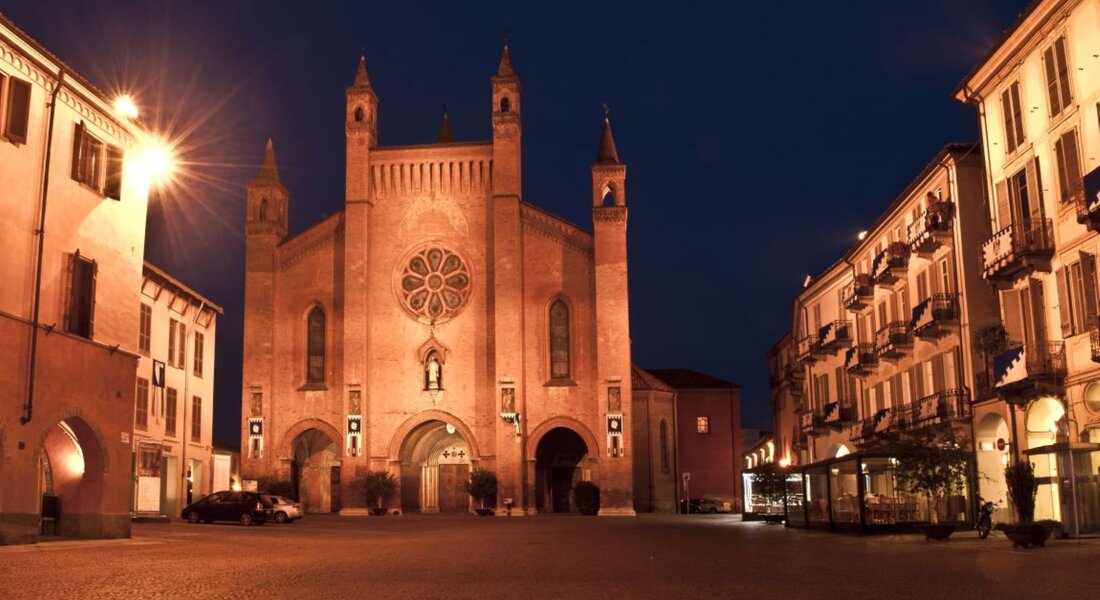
1013,117
17,117
702,425
1069,166
170,412
196,361
81,301
181,348
141,404
145,332
112,185
1057,74
196,419
87,157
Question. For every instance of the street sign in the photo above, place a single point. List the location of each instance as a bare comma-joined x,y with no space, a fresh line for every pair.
1001,444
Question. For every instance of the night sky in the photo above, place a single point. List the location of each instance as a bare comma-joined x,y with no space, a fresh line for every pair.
759,137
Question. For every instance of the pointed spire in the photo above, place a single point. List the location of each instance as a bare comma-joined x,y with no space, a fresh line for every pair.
269,171
505,69
446,135
361,77
607,154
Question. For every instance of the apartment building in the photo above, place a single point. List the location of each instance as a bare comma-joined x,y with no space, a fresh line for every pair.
1037,95
72,228
174,403
881,339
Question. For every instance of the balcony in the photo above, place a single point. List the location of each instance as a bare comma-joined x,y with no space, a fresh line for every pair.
808,349
839,414
1018,249
1026,371
934,409
931,229
934,316
1088,210
1094,339
893,340
891,264
860,359
859,294
811,422
835,335
867,429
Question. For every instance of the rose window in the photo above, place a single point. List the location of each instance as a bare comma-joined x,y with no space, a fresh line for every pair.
434,285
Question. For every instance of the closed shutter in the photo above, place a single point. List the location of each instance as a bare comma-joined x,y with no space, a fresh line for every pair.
1035,295
937,373
950,369
112,187
1006,111
1088,293
19,110
1017,113
915,391
1072,163
1013,314
1034,190
1004,208
880,399
839,376
91,300
1052,81
1064,301
68,316
78,148
1063,71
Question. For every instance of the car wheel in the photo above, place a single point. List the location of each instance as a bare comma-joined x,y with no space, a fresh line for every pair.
280,517
192,517
246,519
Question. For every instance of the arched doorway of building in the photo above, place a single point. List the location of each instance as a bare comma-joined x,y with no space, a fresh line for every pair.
994,453
70,478
1044,426
435,463
558,460
315,471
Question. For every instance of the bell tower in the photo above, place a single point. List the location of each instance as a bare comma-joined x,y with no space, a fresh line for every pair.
507,170
362,132
267,199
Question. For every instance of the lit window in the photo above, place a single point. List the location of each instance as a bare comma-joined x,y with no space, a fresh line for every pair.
702,425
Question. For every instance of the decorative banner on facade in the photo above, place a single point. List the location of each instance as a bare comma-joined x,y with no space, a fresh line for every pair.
355,435
158,373
832,412
615,446
1092,190
256,437
922,315
1009,367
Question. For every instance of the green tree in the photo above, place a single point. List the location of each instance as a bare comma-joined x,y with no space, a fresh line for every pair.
932,466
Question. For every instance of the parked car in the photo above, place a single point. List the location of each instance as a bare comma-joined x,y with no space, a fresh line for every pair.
285,509
708,505
245,507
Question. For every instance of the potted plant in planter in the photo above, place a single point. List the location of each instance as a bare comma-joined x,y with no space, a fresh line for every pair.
586,496
770,483
1022,486
380,488
989,341
482,486
934,467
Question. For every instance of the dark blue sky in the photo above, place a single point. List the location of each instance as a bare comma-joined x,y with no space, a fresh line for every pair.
759,137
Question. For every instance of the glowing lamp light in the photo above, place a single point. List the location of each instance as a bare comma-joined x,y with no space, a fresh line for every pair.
126,107
862,235
235,486
784,462
155,161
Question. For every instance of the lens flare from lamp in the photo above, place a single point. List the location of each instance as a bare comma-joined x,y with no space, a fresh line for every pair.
156,161
784,462
126,106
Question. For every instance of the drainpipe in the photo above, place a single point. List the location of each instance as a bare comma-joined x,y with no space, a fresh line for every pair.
28,406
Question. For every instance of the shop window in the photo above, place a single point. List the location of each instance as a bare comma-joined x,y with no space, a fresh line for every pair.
702,425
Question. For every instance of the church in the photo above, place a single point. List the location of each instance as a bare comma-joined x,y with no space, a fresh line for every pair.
439,323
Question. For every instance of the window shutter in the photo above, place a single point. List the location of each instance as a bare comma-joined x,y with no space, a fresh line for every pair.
19,110
1052,81
70,265
1035,294
915,391
1004,208
1064,301
1063,71
1034,190
838,377
1006,111
91,300
1017,113
1072,163
171,340
937,373
1088,282
78,147
112,188
1013,314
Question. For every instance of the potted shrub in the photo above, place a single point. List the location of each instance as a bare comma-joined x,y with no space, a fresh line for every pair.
482,487
933,467
380,488
770,483
988,342
586,496
1022,486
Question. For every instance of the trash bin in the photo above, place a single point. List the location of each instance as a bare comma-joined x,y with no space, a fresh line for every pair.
51,512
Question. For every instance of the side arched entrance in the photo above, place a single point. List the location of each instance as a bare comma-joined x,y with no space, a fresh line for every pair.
70,479
435,462
315,471
559,459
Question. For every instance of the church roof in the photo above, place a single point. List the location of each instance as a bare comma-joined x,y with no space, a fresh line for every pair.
362,79
446,135
607,154
689,379
269,171
505,69
642,380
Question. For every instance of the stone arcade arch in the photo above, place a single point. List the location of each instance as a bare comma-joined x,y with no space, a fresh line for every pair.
1045,425
435,452
993,431
71,465
564,453
313,450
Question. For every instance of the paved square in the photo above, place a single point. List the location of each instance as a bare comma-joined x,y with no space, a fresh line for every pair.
700,556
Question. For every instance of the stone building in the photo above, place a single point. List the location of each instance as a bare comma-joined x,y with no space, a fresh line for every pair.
439,323
1037,94
72,227
174,402
656,458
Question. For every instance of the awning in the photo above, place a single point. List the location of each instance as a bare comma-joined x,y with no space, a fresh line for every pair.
1063,447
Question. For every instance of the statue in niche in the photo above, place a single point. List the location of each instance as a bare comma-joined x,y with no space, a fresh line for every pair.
614,400
354,400
433,373
508,400
257,404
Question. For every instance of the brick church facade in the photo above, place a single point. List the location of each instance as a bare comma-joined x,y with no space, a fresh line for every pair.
437,324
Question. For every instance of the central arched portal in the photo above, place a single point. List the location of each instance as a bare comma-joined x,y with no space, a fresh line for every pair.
558,458
315,471
435,463
70,478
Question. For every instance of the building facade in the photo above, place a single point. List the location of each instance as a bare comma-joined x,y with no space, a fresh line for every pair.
881,339
439,323
1038,99
174,398
72,224
656,457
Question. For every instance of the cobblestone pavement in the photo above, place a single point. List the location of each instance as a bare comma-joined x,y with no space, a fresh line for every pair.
698,556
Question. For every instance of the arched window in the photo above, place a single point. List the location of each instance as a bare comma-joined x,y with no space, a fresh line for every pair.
358,114
663,442
315,346
608,197
505,104
559,340
263,209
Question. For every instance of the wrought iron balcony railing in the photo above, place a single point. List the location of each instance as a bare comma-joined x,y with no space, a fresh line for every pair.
1028,367
860,359
893,340
1017,248
807,347
891,264
934,314
931,228
859,294
835,335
